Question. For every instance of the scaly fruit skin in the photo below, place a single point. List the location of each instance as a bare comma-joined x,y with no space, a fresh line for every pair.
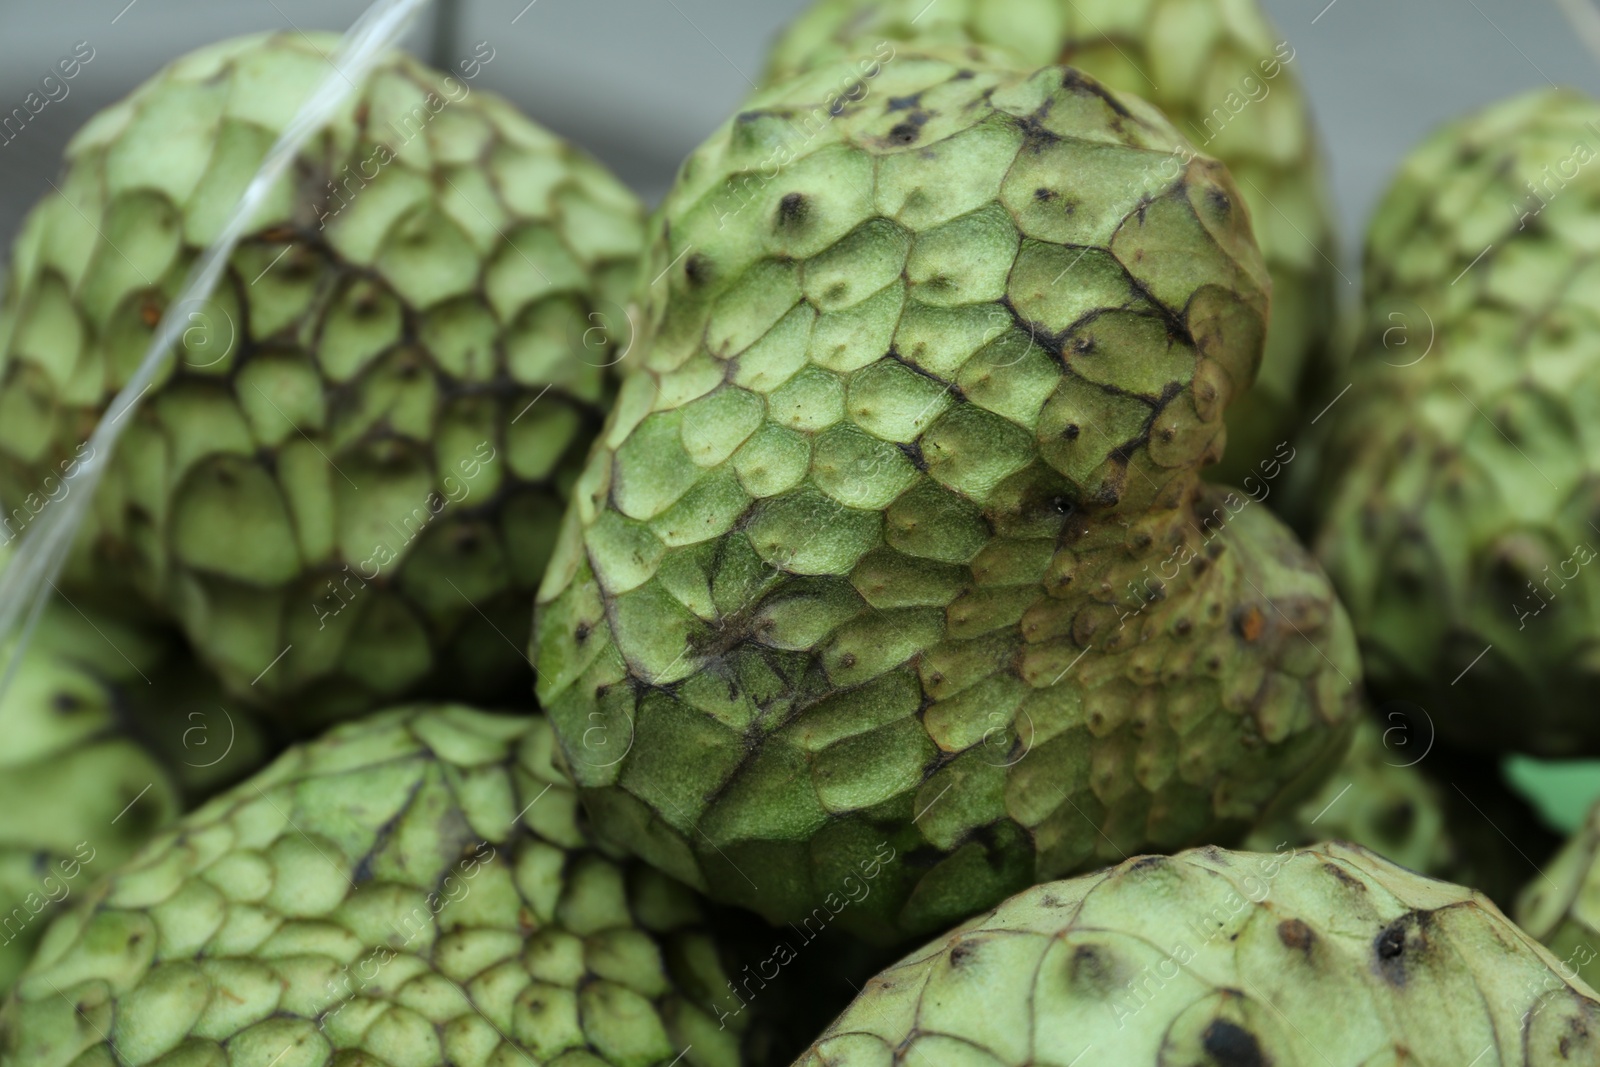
79,790
346,456
1328,957
1462,479
1561,904
110,728
416,888
1220,72
850,575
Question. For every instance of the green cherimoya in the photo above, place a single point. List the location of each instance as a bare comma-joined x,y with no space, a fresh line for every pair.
1327,957
414,889
358,457
893,556
1460,494
80,789
1219,71
1561,904
108,729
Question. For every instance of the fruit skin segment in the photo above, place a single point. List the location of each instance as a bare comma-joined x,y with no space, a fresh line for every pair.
1220,71
358,458
1561,906
1376,800
414,889
1458,501
79,788
1330,956
891,586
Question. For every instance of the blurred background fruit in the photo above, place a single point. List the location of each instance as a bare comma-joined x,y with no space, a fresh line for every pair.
642,99
109,730
347,484
1460,492
1561,904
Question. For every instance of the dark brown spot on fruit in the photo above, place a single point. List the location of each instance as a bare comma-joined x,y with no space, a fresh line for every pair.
1294,933
582,632
1344,876
962,953
1219,201
65,704
1044,194
1250,623
1074,80
150,312
1230,1045
697,270
847,660
1389,950
1071,432
792,209
1093,967
905,133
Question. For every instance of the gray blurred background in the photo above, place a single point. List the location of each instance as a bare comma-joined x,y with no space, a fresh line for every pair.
640,82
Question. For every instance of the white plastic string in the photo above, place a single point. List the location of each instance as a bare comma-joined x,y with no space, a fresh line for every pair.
27,582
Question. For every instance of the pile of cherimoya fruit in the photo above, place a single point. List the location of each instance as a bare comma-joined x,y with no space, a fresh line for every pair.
951,586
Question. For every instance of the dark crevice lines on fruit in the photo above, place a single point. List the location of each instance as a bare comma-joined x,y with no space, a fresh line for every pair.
951,530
